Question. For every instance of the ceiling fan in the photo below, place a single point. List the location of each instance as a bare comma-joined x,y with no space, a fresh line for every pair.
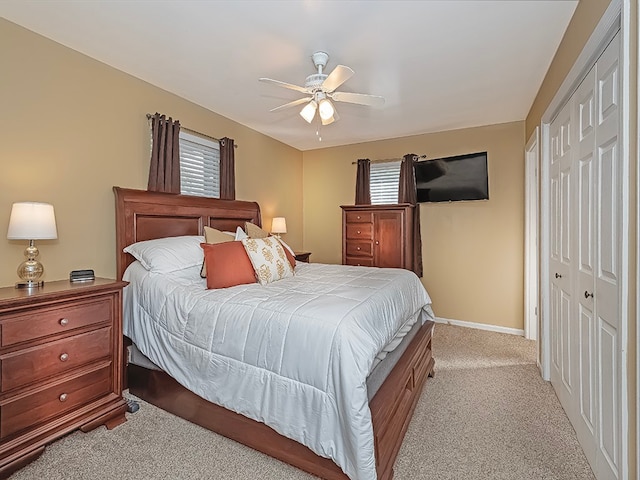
321,90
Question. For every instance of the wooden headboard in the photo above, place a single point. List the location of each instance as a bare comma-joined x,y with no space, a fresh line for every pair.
142,215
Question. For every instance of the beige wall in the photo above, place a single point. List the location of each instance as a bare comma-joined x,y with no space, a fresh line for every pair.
472,251
73,127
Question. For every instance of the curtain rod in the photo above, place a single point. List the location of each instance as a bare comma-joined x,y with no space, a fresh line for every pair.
388,160
188,130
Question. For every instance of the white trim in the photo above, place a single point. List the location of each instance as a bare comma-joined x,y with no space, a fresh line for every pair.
625,254
545,229
637,293
531,307
480,326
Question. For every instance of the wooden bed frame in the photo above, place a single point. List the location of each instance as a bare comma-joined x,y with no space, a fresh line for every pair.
142,215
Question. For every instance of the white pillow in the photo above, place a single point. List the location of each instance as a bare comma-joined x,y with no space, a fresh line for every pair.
241,234
170,254
268,259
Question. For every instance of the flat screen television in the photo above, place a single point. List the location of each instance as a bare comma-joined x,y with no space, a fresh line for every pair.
451,179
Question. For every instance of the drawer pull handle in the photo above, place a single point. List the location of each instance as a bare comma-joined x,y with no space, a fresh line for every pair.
358,248
358,217
358,232
377,243
63,397
64,357
587,294
64,322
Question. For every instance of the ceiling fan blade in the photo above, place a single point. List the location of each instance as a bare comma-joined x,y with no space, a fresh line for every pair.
290,86
336,78
359,98
291,104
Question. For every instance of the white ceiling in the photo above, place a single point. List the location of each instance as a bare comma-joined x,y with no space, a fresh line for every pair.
441,65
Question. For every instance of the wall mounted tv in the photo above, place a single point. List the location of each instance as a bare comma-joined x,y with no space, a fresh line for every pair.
451,179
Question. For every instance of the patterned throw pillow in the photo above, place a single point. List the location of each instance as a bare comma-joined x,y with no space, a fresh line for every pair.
268,259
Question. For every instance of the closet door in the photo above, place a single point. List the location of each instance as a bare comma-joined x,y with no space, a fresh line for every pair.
585,263
607,295
563,350
584,164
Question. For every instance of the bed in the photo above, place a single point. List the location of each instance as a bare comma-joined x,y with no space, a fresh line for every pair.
141,216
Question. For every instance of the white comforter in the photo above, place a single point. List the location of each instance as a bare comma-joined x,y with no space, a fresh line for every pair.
294,354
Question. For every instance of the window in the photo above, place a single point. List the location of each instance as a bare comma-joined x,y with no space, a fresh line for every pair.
384,179
199,166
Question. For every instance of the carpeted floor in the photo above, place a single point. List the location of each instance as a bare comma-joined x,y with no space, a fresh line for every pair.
487,414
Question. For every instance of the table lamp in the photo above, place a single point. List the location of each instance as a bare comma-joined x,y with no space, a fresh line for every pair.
278,226
31,221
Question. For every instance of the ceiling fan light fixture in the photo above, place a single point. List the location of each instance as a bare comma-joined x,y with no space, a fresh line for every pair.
328,121
309,111
326,110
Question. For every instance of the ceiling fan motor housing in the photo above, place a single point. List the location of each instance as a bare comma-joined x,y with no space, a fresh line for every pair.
314,82
320,59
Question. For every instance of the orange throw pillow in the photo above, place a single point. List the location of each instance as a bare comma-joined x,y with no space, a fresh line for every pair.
290,257
227,265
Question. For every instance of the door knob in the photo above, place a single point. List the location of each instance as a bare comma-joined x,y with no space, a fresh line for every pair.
587,294
558,275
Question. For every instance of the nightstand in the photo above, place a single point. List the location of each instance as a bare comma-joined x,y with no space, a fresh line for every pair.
60,365
302,256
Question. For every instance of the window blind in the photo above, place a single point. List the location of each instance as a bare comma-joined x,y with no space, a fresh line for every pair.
199,166
384,180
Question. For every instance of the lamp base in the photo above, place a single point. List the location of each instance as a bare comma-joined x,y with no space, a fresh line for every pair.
31,269
30,284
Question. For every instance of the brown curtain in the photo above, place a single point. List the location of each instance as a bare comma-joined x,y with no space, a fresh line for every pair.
227,169
164,170
407,194
363,177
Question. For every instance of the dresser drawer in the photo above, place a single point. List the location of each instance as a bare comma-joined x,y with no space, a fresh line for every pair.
25,411
360,231
359,217
33,364
360,261
46,321
359,248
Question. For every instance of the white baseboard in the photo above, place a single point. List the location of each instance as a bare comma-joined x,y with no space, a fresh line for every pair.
481,326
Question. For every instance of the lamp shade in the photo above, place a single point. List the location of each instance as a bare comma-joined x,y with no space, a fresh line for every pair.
32,221
279,225
325,109
309,111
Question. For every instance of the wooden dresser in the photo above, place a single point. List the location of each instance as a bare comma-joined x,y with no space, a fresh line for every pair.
377,235
60,365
